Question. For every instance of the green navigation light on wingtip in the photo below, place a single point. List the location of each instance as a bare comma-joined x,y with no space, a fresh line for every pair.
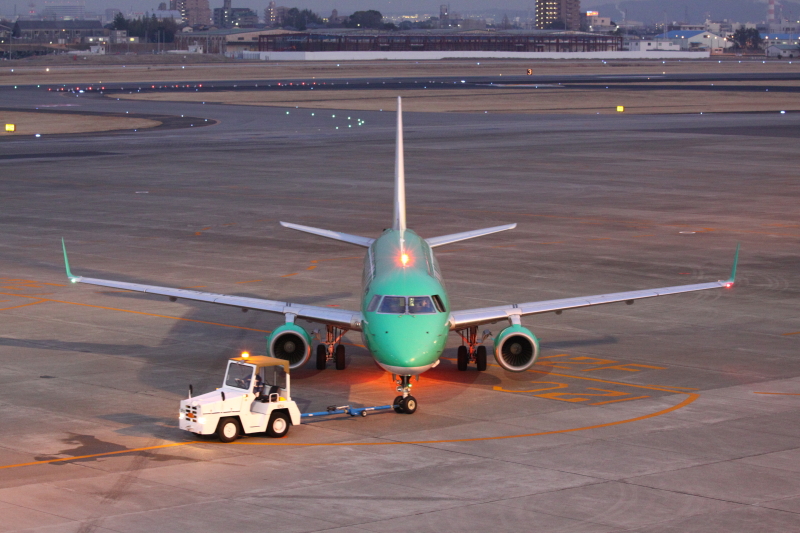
72,278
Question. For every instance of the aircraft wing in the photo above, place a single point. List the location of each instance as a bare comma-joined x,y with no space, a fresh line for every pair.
475,317
325,315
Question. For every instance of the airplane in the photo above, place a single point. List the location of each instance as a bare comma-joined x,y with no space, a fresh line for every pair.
405,315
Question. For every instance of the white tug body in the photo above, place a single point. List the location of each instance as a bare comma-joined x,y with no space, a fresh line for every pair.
255,397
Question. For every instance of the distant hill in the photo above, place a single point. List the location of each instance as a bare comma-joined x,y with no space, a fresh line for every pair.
651,11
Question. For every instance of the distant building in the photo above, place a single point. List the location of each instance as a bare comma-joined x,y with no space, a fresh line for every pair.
558,14
193,12
275,15
598,23
696,40
231,17
57,31
166,14
783,50
781,38
64,10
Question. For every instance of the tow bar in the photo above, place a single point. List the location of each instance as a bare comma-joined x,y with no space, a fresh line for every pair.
346,410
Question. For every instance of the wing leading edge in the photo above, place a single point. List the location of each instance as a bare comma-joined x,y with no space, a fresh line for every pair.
474,317
325,315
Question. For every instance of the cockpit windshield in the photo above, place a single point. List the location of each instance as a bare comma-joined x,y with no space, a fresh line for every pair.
400,305
395,305
418,305
239,376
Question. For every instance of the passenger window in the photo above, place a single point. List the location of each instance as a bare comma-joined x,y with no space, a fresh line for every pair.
418,305
438,302
373,304
395,305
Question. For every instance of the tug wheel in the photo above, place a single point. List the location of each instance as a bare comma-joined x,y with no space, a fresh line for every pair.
463,358
480,358
228,430
278,425
322,357
339,356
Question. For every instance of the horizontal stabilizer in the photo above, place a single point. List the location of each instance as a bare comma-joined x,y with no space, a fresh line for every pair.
335,235
455,237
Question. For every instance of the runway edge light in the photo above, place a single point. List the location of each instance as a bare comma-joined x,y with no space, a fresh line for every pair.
11,127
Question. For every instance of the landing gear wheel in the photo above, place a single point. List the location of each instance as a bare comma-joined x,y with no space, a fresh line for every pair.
322,357
463,358
228,430
397,404
278,425
480,358
339,355
409,405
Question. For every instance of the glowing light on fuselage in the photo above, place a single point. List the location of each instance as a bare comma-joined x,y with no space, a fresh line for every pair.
404,259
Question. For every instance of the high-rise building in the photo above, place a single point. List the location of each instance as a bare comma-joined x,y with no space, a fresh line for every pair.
274,15
558,14
194,12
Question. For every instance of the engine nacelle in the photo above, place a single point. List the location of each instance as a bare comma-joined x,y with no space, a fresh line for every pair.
290,343
516,348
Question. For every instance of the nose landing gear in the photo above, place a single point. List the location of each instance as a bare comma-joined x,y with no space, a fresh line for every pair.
405,403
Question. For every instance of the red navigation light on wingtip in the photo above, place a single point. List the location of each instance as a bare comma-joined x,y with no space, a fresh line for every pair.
729,285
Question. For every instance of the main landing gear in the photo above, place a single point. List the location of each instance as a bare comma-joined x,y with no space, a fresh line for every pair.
472,349
330,349
405,403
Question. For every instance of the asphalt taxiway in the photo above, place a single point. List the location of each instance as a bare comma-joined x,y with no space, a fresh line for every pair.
674,414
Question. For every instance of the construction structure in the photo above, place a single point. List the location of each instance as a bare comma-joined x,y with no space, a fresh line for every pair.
558,15
439,42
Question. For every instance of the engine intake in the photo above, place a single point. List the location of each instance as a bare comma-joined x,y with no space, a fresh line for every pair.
516,348
290,343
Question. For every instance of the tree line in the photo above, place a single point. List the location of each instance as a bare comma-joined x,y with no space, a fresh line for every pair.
147,29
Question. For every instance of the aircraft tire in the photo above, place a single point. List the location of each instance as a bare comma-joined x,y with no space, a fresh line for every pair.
409,405
339,354
228,430
480,358
463,358
397,404
322,357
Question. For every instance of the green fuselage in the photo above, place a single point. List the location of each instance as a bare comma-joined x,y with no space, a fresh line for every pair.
405,305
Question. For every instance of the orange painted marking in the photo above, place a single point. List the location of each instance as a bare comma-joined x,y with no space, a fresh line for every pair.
691,398
143,313
251,281
622,400
625,367
18,306
793,333
312,267
289,275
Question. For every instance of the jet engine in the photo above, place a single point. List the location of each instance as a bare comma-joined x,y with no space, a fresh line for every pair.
516,348
291,343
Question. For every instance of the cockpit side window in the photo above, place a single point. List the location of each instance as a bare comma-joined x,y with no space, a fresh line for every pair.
418,305
395,305
373,304
437,300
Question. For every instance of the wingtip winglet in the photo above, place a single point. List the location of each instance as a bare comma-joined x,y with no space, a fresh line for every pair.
732,279
66,262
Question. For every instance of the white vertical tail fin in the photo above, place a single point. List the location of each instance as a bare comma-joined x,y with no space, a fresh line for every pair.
399,222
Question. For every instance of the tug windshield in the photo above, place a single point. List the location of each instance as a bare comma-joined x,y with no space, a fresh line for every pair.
239,376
